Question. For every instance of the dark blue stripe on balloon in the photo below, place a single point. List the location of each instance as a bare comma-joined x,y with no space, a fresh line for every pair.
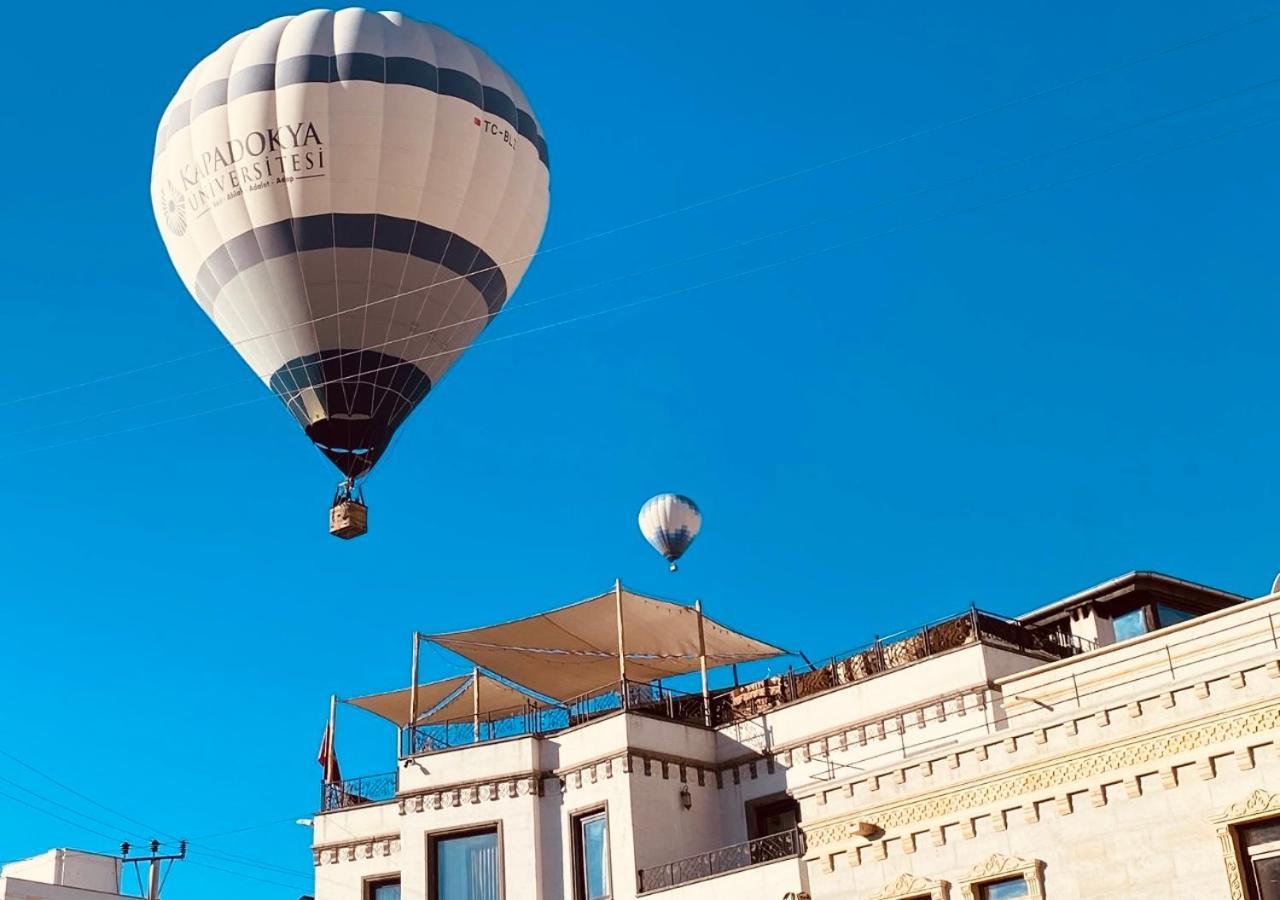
318,69
354,231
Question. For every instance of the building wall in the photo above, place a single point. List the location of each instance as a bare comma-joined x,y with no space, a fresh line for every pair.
21,889
1118,798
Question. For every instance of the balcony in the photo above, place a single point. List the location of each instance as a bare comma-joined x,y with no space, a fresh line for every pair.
771,848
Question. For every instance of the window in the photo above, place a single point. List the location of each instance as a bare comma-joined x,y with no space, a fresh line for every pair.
1145,619
1167,615
772,815
464,866
382,889
591,856
1005,889
1260,846
1130,625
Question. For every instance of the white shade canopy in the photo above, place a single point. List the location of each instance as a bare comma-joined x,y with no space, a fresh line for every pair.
571,651
449,698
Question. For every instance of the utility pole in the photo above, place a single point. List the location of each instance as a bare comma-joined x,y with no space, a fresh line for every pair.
154,879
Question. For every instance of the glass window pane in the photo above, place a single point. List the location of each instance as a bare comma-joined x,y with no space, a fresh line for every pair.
467,867
1130,625
1008,889
386,892
1266,878
595,857
1167,615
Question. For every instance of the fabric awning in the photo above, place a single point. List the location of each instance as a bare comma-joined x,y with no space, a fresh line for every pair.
496,698
450,698
572,651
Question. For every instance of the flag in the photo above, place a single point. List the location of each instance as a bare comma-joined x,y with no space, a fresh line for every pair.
328,757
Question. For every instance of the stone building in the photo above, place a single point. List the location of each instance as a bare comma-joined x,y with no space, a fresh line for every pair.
1119,743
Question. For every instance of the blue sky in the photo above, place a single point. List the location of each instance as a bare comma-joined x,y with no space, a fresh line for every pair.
1008,382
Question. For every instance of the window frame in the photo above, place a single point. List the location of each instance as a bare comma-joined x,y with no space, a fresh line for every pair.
472,829
999,867
371,883
1259,806
577,850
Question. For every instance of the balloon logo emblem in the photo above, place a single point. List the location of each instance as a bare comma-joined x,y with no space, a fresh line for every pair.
173,207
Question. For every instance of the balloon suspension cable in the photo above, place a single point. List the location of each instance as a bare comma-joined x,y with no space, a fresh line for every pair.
349,489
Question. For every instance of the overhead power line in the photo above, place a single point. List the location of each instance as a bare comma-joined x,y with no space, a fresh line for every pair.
688,288
740,244
708,201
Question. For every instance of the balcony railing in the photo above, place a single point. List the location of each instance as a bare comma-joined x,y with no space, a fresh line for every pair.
766,849
358,791
642,697
888,653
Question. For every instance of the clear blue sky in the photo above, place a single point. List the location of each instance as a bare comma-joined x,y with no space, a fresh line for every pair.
999,406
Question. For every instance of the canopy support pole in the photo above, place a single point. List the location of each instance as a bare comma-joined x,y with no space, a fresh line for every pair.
333,738
475,703
413,695
622,644
702,666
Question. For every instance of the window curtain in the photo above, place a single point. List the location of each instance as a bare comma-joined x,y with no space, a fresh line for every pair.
467,867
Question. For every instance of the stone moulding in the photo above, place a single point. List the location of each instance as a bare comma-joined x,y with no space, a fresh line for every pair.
912,887
1046,775
999,866
1258,805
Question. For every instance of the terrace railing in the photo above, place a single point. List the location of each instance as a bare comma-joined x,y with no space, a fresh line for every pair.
358,791
773,847
642,697
892,652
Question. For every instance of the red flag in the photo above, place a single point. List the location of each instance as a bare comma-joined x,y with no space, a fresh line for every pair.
328,757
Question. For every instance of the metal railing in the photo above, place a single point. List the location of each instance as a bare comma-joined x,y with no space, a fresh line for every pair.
358,791
885,654
650,698
770,848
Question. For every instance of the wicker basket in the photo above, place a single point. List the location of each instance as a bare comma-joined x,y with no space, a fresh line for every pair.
348,519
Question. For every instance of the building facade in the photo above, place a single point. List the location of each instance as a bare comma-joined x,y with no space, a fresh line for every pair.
62,875
1120,743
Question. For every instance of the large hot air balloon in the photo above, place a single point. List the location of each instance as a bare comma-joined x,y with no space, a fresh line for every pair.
670,522
351,197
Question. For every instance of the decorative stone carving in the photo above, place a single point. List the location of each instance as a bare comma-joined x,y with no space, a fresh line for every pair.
1258,805
908,887
998,866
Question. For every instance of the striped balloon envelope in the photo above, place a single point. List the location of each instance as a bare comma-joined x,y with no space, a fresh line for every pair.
351,197
670,522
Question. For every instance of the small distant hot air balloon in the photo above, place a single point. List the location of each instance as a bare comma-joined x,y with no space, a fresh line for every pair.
670,522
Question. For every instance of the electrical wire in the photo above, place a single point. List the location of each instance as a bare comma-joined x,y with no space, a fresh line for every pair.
688,288
737,245
718,198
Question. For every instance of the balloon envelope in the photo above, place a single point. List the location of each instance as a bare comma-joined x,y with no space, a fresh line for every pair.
670,522
351,197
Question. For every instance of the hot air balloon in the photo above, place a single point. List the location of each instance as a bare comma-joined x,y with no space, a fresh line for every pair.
351,197
670,522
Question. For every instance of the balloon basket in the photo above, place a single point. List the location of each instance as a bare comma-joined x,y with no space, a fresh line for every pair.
349,516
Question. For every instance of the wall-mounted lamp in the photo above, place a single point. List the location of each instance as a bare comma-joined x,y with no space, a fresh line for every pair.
686,799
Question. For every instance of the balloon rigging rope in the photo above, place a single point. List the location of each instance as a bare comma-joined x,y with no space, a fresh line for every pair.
483,318
708,201
688,288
